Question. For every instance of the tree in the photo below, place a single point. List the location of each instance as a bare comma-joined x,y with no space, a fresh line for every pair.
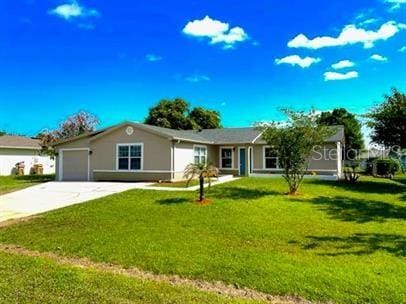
294,142
176,114
75,125
205,119
202,170
388,121
352,129
172,114
2,132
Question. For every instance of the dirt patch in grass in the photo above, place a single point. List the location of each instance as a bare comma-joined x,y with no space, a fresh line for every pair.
217,287
204,202
17,220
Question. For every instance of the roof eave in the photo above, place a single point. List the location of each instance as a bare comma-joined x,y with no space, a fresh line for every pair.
194,141
233,143
20,147
66,140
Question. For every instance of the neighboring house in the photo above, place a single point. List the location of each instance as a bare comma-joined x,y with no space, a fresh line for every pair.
16,149
371,154
134,151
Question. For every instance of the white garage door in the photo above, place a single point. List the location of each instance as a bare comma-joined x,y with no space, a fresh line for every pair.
75,165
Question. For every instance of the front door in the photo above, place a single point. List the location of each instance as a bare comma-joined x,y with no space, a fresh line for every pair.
242,162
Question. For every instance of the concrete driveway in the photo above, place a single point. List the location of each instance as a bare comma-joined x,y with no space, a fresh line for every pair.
54,195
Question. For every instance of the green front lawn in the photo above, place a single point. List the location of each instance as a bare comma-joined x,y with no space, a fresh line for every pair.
345,243
180,184
400,178
14,182
38,280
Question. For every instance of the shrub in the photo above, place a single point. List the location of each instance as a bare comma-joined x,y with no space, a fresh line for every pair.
369,165
386,167
351,171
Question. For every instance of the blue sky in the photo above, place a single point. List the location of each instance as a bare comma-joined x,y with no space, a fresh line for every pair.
246,59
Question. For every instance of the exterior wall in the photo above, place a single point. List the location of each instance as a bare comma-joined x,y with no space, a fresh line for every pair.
184,155
234,169
130,176
80,143
325,159
77,144
323,162
156,151
9,158
156,161
166,160
258,158
213,155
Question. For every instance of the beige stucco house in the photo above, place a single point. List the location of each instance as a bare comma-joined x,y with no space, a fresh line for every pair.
134,152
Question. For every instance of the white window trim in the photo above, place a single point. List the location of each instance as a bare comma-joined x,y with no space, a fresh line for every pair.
200,146
232,157
251,159
60,159
339,159
264,160
142,156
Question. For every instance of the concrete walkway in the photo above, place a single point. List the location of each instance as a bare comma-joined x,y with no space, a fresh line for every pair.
54,195
220,180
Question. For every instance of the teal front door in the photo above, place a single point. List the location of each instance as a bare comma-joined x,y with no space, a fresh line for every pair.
242,162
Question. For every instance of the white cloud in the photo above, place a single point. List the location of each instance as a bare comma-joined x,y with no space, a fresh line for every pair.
378,57
206,27
73,10
340,76
396,4
402,49
197,78
368,22
342,64
350,34
153,57
297,60
217,31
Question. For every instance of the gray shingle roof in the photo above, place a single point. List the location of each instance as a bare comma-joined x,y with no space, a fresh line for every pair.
21,142
176,134
338,135
229,135
207,136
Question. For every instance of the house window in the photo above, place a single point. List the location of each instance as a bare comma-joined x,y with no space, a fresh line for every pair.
226,158
129,157
270,158
200,153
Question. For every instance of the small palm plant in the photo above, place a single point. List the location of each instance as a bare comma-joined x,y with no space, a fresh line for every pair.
202,170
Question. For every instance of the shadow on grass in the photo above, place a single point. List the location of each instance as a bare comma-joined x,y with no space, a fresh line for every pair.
234,192
357,244
358,210
377,186
174,200
401,179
